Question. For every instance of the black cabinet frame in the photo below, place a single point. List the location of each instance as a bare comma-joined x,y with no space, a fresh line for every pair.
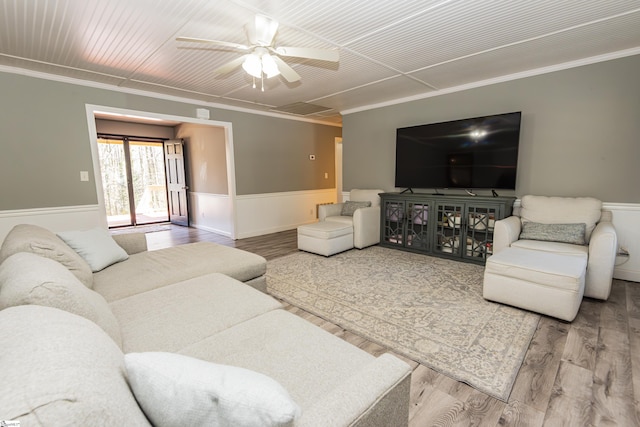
458,227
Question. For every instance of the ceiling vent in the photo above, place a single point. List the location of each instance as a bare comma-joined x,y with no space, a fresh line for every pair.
301,108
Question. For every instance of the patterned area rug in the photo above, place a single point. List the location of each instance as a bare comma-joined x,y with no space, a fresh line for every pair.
428,309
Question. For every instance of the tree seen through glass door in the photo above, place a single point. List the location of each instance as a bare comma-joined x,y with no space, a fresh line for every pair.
133,179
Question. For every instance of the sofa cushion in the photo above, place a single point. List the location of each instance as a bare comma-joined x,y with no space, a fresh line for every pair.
562,233
40,241
57,368
560,248
29,279
561,210
173,390
96,246
291,350
349,207
205,305
154,269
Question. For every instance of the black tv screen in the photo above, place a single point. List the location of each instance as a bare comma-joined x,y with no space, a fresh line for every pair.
480,152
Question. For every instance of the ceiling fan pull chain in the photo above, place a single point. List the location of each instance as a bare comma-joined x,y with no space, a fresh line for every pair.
254,82
262,77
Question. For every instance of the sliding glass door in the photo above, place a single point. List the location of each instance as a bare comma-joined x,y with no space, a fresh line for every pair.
133,179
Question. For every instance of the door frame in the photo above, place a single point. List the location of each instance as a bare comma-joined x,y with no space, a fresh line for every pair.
91,109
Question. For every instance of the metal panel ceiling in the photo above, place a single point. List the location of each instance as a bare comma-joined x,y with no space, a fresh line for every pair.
388,49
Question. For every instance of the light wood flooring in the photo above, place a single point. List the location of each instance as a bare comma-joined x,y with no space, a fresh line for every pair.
584,373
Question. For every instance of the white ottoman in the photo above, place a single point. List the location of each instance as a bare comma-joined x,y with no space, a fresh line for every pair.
325,237
544,282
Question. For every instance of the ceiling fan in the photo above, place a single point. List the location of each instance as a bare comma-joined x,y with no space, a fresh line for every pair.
263,57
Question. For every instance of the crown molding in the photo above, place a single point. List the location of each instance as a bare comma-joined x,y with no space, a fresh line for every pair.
501,79
196,102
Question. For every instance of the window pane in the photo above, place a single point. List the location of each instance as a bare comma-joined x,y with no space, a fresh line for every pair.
149,188
114,182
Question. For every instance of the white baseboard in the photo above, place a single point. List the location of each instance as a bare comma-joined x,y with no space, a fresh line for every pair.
225,233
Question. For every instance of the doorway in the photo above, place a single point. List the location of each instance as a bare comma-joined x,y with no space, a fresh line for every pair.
133,180
225,209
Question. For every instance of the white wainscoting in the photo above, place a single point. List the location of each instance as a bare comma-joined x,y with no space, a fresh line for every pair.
626,220
211,212
259,214
55,219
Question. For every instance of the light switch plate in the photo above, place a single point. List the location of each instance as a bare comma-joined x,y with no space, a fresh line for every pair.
84,175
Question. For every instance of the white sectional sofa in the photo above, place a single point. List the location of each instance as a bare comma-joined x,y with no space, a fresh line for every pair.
73,340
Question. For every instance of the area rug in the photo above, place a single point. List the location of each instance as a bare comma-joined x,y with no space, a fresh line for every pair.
428,309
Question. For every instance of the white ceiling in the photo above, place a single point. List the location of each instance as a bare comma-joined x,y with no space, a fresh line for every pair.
388,49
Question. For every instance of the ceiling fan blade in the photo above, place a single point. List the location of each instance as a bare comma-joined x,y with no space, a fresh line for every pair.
262,31
230,66
310,53
216,42
287,72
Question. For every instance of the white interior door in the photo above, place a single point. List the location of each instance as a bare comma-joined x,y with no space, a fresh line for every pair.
176,182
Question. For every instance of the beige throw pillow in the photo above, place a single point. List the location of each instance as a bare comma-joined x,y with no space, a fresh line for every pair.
349,207
29,279
40,241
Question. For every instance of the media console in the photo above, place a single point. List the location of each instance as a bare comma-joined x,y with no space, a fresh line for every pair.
450,226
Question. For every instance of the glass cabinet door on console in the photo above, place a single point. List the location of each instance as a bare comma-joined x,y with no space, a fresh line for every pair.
479,230
392,222
449,228
417,226
406,224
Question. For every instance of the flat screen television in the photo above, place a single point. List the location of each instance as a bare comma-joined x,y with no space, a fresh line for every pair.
476,153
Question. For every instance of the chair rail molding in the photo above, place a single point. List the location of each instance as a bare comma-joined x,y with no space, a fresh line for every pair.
53,218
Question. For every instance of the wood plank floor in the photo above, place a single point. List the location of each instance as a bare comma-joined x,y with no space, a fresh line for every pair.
584,373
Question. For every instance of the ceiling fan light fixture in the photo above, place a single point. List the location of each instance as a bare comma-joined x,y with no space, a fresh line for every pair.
253,66
262,59
269,66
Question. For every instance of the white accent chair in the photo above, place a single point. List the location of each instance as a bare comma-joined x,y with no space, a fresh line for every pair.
539,263
365,221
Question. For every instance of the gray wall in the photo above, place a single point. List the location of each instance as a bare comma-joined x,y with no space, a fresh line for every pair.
45,143
580,132
206,157
272,154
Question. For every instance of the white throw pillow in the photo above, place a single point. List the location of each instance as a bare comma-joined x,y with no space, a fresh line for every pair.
177,390
96,246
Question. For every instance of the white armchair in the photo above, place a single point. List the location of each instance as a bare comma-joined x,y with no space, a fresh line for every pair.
365,220
600,240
